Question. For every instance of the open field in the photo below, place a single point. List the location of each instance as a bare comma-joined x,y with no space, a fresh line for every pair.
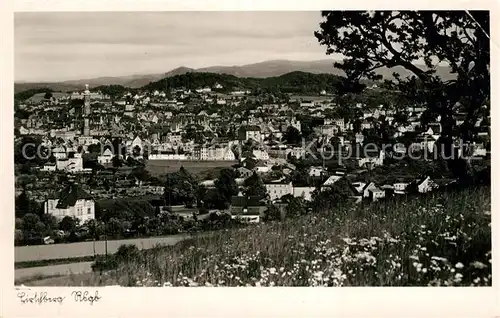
442,239
157,167
82,249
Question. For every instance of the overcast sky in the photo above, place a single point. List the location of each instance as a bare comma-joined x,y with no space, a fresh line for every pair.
77,45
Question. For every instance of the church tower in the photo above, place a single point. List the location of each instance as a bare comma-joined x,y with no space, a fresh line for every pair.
86,111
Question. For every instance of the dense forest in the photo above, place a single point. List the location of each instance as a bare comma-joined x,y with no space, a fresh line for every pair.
294,82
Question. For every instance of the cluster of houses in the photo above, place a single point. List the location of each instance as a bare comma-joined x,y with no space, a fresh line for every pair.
210,126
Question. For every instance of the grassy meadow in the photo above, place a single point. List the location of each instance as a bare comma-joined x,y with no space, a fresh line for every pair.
442,239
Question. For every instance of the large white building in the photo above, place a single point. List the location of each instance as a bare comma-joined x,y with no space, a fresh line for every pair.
277,190
172,156
305,192
73,201
339,122
219,152
73,164
250,132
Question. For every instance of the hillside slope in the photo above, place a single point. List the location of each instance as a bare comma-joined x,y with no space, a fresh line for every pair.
265,69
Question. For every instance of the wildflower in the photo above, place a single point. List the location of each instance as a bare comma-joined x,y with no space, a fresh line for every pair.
458,277
459,265
318,274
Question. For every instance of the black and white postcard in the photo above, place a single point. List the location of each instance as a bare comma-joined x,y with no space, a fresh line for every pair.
321,147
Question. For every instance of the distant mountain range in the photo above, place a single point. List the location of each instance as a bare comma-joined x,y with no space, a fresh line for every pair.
265,69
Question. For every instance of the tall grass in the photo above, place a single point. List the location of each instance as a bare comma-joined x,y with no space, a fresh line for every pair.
442,239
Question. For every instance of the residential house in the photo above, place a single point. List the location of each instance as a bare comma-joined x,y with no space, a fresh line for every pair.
400,187
328,130
339,122
262,168
479,150
24,131
279,151
200,153
137,142
307,103
297,152
250,132
59,152
220,152
367,114
331,180
422,143
209,184
260,154
73,201
251,207
49,167
278,189
365,124
85,140
376,194
106,157
73,163
296,124
426,185
371,160
359,138
366,189
316,171
305,192
358,186
437,129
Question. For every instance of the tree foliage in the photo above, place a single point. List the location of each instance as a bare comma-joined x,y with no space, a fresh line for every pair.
180,187
69,224
292,136
226,183
385,39
276,86
254,186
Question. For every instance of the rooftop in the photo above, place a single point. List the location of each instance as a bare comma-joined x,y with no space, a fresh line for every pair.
70,195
